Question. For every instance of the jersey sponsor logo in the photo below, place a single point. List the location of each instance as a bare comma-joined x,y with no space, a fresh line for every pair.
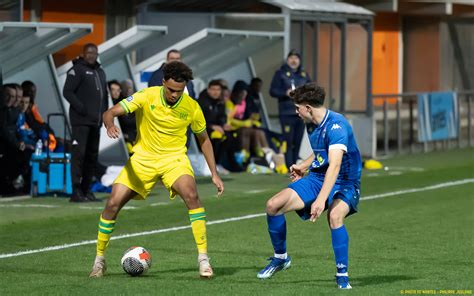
335,126
318,161
71,72
152,107
129,98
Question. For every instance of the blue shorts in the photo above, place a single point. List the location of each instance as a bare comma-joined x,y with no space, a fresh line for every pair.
309,187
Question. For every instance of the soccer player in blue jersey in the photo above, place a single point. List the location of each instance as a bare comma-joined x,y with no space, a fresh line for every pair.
328,179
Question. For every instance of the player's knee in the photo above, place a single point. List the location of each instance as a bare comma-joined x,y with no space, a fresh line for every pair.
272,207
112,206
336,219
190,196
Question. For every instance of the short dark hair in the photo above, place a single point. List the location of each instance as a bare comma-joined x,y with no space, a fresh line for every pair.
5,92
87,45
310,94
178,71
10,85
27,84
18,86
109,84
214,82
256,80
172,51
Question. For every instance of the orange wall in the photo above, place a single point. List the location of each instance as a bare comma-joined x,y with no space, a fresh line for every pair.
85,11
385,60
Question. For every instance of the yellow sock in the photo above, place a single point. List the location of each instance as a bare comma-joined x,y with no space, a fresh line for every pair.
198,225
106,227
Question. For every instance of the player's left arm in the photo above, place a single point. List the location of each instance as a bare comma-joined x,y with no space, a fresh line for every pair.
335,160
337,138
206,148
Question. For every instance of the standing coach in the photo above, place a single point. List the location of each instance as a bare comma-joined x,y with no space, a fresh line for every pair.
86,91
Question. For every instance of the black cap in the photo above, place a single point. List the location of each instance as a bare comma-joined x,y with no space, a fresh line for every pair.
293,52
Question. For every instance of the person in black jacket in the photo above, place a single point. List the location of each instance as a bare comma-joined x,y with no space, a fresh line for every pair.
288,77
213,108
156,78
86,91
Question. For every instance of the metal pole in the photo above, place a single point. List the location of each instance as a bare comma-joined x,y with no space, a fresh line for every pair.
370,108
342,79
399,125
411,124
458,124
385,126
469,120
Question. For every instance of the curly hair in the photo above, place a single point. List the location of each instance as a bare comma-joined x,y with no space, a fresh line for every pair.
310,93
178,71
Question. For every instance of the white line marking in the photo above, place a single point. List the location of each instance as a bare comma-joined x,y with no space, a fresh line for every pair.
159,204
255,191
28,206
89,242
15,198
56,206
406,191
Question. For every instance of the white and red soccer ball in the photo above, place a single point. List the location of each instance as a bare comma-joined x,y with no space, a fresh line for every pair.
136,261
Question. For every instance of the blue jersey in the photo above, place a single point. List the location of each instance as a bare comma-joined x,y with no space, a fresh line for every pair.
335,132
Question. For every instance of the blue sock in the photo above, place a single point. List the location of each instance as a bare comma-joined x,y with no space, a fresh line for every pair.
277,230
340,244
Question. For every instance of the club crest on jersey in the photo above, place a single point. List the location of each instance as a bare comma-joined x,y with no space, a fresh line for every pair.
183,115
129,98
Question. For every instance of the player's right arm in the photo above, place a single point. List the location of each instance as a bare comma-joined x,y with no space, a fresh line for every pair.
127,105
297,171
108,117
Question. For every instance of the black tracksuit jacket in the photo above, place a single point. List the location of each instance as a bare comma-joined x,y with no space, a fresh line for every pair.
86,91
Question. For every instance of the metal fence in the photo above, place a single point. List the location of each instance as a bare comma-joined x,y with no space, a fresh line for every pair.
396,119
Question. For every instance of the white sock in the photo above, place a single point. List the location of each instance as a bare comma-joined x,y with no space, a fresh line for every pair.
281,256
202,256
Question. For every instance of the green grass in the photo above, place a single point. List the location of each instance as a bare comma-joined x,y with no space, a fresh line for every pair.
421,241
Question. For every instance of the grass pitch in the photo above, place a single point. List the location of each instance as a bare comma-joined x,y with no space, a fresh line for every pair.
423,240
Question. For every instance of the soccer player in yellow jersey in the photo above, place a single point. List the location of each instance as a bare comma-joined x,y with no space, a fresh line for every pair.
163,115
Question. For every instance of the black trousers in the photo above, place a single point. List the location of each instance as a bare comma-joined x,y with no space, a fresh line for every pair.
85,152
292,128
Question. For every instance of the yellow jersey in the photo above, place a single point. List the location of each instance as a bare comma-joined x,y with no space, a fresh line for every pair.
161,128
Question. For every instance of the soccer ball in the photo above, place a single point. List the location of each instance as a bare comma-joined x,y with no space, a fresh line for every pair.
136,261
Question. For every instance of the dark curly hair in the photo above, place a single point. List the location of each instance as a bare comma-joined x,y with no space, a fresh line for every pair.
310,94
178,71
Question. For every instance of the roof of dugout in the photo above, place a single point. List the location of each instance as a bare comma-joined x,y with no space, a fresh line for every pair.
22,44
122,44
321,6
265,6
211,51
129,40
